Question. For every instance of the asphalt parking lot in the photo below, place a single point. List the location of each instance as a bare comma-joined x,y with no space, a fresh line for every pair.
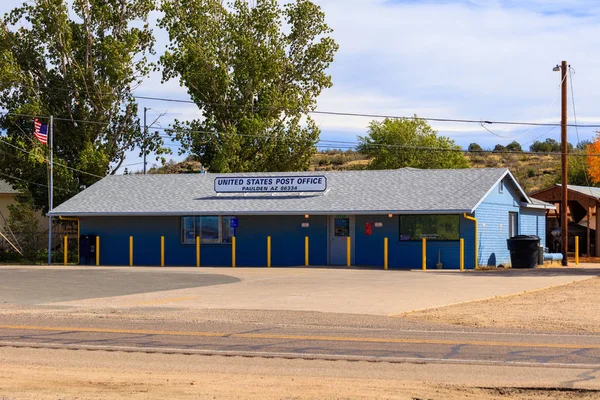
354,291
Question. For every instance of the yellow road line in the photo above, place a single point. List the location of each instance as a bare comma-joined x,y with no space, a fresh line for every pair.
302,337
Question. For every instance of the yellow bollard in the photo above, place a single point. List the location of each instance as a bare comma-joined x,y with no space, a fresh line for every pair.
131,251
233,252
385,253
424,255
197,251
576,250
348,251
162,251
306,251
462,254
66,249
97,250
268,251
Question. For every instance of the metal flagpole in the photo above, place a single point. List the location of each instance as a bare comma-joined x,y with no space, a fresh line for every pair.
50,195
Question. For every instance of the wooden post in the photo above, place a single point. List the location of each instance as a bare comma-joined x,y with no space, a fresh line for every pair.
589,243
97,250
66,249
576,250
597,249
233,260
162,251
306,251
385,253
197,251
348,251
130,251
268,251
424,254
462,254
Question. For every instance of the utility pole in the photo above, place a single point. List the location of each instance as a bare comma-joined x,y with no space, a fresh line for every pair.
564,203
146,137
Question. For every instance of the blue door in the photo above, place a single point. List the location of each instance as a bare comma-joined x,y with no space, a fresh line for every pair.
341,230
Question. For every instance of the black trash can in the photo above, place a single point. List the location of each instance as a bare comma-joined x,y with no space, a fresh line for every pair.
524,250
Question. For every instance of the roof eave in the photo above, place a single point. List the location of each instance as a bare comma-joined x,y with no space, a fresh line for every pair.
539,206
266,212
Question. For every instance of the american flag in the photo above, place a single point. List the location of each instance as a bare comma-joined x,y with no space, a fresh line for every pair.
41,131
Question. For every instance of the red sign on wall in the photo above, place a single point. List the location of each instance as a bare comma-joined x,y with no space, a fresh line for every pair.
368,228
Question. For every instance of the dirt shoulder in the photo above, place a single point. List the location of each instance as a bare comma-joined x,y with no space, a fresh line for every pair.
569,308
66,374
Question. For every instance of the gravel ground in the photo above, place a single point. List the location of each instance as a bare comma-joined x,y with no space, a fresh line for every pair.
64,374
569,308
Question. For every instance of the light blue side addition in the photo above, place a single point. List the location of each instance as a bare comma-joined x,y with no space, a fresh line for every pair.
493,222
533,222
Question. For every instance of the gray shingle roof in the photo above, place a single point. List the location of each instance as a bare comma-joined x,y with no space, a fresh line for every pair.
404,190
6,188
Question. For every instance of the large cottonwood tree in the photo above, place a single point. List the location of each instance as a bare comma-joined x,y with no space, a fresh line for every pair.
254,71
78,61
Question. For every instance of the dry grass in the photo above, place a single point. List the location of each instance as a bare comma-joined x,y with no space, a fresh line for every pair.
533,172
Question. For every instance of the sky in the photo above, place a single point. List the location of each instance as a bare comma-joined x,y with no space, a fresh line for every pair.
485,60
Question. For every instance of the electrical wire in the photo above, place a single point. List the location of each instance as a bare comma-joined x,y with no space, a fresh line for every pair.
571,73
47,160
319,112
30,182
532,128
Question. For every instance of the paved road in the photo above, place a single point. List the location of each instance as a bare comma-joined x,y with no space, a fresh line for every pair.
325,343
44,308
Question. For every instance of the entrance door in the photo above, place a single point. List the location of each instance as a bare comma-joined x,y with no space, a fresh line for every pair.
341,228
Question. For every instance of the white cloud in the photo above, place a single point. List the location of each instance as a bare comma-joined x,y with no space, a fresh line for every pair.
472,59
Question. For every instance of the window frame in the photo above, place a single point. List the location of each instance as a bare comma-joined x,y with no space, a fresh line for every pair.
513,224
184,240
428,215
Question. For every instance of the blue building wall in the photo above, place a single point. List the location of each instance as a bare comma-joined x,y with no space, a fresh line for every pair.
408,254
287,241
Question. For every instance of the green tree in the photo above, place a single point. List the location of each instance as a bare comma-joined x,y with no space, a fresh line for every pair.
24,223
255,72
79,64
398,143
499,147
474,147
548,146
513,146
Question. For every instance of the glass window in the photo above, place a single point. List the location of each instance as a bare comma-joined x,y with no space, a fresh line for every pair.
188,233
227,229
342,227
430,227
209,228
513,224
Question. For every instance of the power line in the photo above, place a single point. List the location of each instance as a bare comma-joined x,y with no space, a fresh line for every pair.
319,112
45,159
30,182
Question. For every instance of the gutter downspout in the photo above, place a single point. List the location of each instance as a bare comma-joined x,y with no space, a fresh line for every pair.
78,232
476,241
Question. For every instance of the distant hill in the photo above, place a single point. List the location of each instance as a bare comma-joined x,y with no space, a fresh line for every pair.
534,172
